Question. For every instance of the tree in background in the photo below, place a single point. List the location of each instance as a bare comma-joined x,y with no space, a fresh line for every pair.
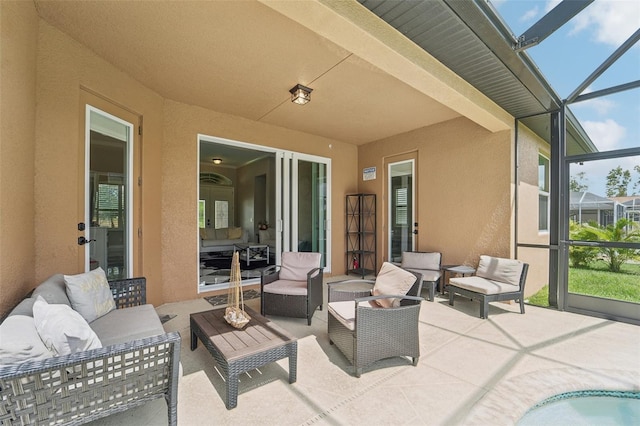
578,183
618,181
579,256
623,230
636,186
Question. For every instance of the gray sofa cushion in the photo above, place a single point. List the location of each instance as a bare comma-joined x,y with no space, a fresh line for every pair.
25,307
53,290
124,325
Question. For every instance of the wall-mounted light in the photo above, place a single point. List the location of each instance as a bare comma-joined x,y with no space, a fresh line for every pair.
217,160
300,94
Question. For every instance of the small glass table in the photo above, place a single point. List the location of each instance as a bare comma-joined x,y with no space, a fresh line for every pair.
252,252
454,269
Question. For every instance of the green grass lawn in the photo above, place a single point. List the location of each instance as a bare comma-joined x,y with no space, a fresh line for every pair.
597,281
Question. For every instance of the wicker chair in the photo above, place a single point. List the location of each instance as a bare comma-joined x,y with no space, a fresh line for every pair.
427,264
365,333
293,289
496,279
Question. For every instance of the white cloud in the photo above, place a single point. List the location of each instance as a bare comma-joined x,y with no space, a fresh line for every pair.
596,172
600,105
612,21
529,15
606,135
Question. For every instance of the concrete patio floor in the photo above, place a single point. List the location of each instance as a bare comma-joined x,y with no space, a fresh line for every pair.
471,371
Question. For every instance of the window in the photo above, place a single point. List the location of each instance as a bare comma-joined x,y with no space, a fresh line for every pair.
202,213
401,206
543,193
108,200
222,214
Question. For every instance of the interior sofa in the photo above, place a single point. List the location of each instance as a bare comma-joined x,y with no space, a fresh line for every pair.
58,368
223,239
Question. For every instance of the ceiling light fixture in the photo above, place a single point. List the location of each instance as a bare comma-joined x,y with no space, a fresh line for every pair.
217,160
300,94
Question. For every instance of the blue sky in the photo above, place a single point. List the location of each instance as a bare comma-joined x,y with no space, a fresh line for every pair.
572,53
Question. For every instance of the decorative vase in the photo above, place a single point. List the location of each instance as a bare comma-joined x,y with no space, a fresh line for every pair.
234,313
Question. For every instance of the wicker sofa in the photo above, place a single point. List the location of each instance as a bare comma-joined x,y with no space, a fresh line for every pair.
137,362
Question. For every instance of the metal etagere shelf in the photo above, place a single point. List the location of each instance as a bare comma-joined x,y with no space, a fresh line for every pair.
361,234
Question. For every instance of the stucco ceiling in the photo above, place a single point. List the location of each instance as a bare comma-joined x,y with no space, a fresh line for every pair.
242,57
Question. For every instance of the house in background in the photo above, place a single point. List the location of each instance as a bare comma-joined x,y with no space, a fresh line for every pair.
631,207
586,207
169,75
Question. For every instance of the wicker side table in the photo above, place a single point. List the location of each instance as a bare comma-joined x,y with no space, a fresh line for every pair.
237,351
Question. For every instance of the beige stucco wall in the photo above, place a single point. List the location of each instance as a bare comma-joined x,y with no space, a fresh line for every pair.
464,197
65,66
182,123
529,147
18,48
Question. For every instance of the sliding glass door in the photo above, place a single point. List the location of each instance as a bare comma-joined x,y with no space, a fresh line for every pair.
281,199
309,194
303,204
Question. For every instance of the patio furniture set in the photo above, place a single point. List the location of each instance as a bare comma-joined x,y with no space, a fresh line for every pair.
113,355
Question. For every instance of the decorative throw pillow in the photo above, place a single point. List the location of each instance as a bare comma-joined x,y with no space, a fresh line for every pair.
20,341
90,294
235,233
392,280
62,330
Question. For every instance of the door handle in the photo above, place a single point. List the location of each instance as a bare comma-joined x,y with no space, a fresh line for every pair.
82,241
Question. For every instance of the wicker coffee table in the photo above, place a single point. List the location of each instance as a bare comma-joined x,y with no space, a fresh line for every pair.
237,351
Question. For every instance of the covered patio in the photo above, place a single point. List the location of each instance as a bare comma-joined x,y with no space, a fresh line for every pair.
471,371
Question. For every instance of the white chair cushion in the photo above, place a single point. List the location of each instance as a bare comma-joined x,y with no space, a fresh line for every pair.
418,260
90,294
498,269
290,287
483,285
296,265
345,312
392,280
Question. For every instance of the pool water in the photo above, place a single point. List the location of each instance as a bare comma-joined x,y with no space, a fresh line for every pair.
593,407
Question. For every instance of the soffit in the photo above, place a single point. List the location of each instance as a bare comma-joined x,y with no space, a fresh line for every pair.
241,58
472,40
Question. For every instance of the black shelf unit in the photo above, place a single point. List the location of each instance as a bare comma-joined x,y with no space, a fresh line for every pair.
361,234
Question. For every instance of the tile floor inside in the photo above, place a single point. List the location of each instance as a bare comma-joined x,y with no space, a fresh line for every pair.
471,371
